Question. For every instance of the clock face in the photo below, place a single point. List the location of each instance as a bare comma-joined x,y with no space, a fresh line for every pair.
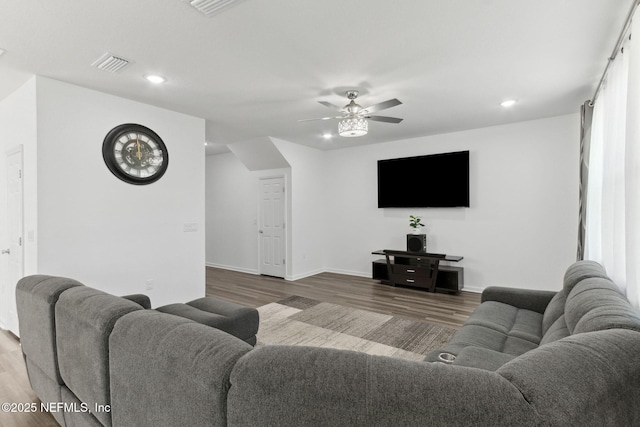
135,154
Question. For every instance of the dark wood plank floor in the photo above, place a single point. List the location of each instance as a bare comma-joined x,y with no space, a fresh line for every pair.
350,291
252,290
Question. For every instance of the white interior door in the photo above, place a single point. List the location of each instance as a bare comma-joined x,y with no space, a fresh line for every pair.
14,225
271,228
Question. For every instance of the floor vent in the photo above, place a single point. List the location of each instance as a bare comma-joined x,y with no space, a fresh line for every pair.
110,63
211,7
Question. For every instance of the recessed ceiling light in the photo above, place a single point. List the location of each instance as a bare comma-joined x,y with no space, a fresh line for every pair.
508,103
327,136
154,78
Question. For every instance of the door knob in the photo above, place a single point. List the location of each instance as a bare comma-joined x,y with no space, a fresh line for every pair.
260,231
6,251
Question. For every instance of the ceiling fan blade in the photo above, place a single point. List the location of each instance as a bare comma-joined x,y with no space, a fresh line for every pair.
382,106
384,119
319,118
330,105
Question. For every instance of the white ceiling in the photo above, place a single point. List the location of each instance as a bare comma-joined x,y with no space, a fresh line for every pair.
257,67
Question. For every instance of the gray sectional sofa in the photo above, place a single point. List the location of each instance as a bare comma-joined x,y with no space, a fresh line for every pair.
523,359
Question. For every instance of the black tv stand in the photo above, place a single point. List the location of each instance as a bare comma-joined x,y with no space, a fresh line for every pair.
450,279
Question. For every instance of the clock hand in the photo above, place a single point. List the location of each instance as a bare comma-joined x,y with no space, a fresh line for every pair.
139,153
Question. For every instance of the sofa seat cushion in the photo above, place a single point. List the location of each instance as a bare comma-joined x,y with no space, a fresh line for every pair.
481,336
482,358
499,327
237,320
509,320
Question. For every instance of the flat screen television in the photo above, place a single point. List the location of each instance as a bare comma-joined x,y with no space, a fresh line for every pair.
433,181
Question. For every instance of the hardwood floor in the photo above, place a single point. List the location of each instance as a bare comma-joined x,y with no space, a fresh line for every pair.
350,291
15,388
252,290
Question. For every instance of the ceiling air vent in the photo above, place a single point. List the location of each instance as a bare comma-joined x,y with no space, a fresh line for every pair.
211,7
110,63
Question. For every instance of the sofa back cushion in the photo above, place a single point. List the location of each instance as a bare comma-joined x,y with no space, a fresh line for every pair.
576,273
554,311
85,318
36,298
556,331
313,386
580,270
170,371
596,304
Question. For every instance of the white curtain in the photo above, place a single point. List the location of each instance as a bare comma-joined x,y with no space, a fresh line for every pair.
632,169
613,195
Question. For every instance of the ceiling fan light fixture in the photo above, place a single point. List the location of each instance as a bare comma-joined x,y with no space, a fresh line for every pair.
353,126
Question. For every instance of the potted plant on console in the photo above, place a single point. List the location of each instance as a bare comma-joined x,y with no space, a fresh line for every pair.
415,224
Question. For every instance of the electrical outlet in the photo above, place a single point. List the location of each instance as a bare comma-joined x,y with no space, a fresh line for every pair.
190,227
149,286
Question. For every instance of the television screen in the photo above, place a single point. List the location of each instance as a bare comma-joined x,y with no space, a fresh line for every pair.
433,181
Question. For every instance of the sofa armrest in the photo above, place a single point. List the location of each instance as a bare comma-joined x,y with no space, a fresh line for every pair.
526,299
140,299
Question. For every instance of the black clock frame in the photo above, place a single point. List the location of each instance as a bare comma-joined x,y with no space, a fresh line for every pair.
110,160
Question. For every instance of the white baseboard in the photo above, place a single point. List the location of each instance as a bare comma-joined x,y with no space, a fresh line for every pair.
232,268
303,275
348,272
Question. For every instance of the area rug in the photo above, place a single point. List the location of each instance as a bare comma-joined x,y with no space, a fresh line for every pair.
302,321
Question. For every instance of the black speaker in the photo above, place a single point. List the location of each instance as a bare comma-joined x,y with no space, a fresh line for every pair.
416,243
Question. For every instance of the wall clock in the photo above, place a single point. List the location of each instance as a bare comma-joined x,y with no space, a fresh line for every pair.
135,154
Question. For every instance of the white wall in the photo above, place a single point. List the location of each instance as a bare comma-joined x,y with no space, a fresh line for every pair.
232,207
232,198
231,214
106,233
18,128
520,230
306,230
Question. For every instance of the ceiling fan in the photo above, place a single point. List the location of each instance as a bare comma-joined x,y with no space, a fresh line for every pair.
353,121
